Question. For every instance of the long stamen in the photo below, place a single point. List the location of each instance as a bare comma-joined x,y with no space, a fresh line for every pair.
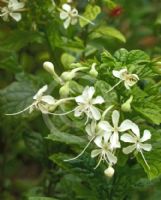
144,159
114,86
17,113
59,114
81,151
85,19
106,111
99,162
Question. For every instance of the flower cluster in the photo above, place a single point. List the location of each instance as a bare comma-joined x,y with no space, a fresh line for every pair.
107,136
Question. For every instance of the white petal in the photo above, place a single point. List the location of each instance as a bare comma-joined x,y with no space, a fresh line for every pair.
114,140
126,85
129,149
63,15
67,22
107,136
78,111
66,7
40,92
48,99
74,21
146,147
17,6
116,73
95,112
146,136
80,99
111,157
98,100
105,125
16,16
90,92
125,125
128,138
98,141
135,129
95,153
115,118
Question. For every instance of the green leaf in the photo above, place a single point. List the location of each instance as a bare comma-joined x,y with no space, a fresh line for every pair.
35,144
18,39
106,31
90,13
137,57
17,95
153,159
41,198
149,110
66,138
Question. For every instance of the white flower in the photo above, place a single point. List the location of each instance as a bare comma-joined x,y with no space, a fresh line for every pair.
104,152
115,129
13,10
86,104
137,141
123,75
41,102
69,15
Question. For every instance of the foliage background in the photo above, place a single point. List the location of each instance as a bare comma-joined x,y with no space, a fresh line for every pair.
26,162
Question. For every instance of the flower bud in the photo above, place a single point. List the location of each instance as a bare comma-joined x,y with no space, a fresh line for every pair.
49,67
126,107
93,71
67,76
109,171
64,90
157,67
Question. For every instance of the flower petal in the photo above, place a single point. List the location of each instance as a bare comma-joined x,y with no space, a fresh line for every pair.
78,111
129,149
111,157
116,73
40,92
48,99
95,112
128,138
146,147
98,141
66,7
67,22
135,129
95,153
105,125
115,118
114,140
63,15
16,16
80,99
98,100
90,92
125,125
74,20
146,136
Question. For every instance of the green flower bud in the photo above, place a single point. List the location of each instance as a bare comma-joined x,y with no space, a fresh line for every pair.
126,107
157,67
93,71
67,76
64,90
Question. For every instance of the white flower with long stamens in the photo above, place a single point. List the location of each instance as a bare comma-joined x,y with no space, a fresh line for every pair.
12,9
86,104
41,102
128,79
69,15
137,141
105,153
115,129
